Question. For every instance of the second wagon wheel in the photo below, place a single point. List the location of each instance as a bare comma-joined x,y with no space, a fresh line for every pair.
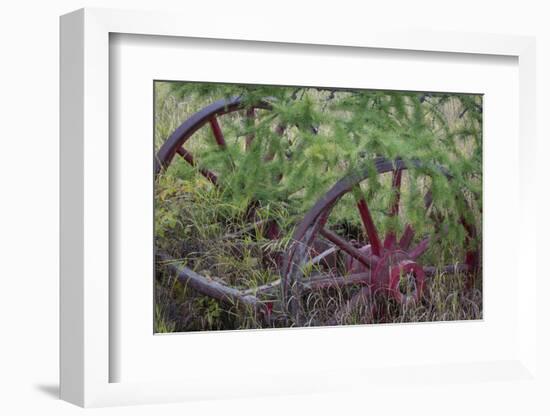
380,262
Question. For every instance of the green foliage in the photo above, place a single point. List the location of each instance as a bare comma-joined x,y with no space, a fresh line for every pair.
329,133
162,324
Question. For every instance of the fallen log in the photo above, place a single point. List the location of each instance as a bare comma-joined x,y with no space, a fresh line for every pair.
211,287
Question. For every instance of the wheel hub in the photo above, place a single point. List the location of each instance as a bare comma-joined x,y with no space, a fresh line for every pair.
393,268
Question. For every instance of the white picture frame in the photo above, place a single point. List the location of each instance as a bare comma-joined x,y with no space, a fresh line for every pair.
85,220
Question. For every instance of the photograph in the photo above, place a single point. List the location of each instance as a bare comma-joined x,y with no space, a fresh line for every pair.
310,206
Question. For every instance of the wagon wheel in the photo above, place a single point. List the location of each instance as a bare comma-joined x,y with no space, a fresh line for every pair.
209,117
378,266
212,117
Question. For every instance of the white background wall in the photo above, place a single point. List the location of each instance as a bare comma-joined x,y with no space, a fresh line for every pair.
29,80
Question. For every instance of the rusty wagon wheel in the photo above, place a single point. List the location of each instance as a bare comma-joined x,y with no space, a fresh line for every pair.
175,145
378,266
210,116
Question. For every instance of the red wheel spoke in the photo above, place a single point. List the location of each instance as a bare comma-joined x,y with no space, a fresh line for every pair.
324,282
407,237
420,248
369,226
396,191
204,172
250,117
216,129
369,261
390,240
218,135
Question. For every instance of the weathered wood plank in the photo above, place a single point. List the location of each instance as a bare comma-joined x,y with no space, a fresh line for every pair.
210,287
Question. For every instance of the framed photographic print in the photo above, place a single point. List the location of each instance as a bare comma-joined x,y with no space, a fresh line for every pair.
266,224
274,206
